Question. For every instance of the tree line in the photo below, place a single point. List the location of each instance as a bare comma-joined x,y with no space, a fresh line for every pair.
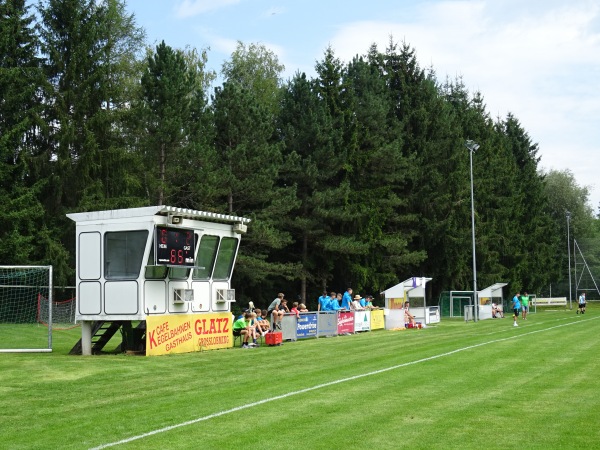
358,176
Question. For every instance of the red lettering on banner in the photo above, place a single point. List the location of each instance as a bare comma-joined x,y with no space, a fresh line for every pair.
152,340
176,334
162,328
216,326
226,323
219,325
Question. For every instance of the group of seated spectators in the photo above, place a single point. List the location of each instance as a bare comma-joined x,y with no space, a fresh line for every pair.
251,325
279,307
345,302
255,322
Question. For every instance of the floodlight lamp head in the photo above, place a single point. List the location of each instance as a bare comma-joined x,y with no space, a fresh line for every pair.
472,145
568,214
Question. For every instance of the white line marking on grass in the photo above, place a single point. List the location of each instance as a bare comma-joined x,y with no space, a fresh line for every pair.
324,385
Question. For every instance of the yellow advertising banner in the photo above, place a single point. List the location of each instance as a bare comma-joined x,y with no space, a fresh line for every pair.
377,319
168,334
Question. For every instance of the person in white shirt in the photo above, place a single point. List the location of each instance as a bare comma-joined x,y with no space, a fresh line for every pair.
355,305
581,303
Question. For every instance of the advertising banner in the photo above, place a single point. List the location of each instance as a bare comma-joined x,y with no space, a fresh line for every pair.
169,334
326,323
345,322
307,325
377,319
289,327
362,321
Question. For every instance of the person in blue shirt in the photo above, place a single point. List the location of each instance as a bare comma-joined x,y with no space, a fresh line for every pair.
262,325
334,304
369,304
347,299
323,302
363,301
516,304
331,300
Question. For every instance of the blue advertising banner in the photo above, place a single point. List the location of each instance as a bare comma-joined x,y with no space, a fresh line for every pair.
307,325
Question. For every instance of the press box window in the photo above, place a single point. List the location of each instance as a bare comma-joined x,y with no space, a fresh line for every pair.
123,253
205,259
225,258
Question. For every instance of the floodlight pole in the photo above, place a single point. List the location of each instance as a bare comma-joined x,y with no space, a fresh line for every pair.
472,147
568,215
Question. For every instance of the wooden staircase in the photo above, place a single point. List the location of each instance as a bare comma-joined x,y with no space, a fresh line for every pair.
102,332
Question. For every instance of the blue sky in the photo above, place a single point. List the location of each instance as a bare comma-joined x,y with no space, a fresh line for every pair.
538,59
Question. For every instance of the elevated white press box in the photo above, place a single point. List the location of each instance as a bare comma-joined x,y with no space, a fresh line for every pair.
132,263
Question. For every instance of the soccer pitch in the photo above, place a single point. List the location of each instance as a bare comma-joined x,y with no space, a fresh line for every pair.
454,385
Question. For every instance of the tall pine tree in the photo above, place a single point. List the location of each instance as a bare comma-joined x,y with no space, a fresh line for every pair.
250,160
23,237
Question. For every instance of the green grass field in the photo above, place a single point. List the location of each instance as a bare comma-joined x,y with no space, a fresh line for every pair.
456,385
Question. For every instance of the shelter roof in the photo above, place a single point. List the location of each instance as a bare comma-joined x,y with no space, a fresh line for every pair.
148,211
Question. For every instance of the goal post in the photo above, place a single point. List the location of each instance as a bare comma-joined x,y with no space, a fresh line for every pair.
21,291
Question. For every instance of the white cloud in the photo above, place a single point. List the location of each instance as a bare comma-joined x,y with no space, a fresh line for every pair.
539,63
190,8
225,46
222,44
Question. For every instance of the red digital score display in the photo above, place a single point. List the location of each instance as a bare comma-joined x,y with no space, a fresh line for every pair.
174,246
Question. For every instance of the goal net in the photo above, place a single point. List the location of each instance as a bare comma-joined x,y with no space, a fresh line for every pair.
63,313
21,288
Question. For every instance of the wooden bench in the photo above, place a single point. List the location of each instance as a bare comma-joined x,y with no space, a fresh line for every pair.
550,301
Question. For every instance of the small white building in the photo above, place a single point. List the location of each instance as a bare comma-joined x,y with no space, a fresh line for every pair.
489,295
412,290
138,262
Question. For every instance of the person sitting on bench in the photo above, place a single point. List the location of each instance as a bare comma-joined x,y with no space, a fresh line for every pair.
409,319
243,327
261,324
497,312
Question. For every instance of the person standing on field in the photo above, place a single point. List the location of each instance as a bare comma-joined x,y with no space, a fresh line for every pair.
581,303
516,304
525,305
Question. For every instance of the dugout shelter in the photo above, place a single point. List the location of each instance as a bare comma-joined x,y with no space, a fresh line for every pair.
413,290
138,263
489,295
